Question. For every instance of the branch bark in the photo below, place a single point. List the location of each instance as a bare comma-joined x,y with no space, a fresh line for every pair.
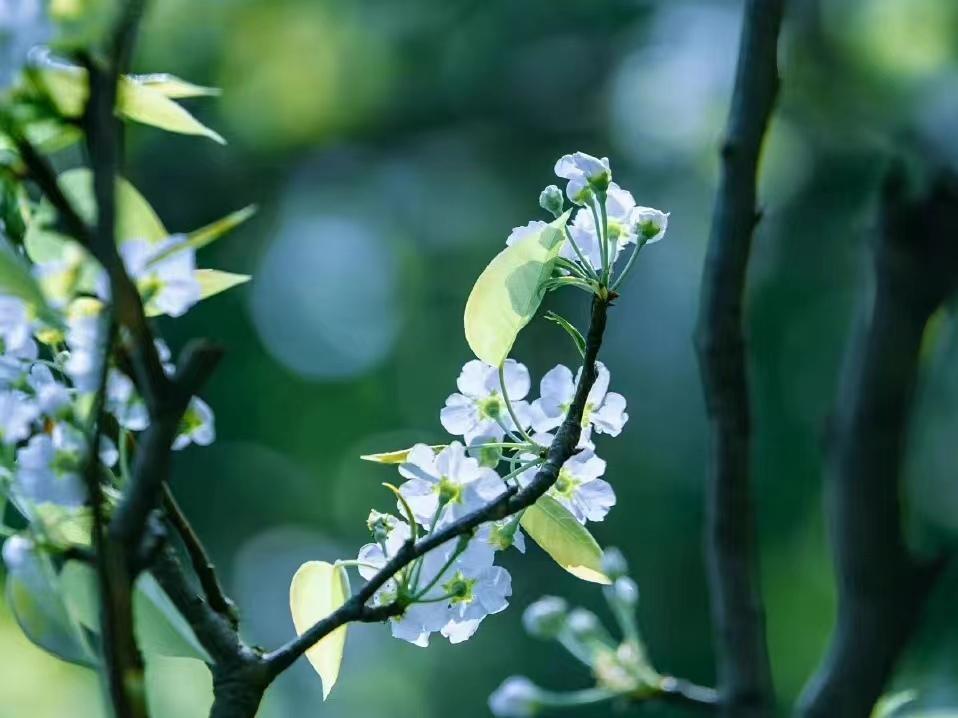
744,671
881,584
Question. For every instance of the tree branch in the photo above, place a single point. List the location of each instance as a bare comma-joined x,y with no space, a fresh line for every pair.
881,585
202,565
744,670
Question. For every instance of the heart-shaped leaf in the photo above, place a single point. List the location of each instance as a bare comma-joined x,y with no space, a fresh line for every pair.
319,588
509,291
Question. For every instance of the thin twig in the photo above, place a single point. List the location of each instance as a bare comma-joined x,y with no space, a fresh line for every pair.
202,565
745,680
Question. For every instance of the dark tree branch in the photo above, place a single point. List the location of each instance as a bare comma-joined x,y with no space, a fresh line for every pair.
745,681
881,584
202,565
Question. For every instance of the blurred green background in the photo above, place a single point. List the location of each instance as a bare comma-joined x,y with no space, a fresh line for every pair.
391,146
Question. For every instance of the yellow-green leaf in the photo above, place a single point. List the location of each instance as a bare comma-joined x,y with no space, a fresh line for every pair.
567,541
146,99
173,86
135,218
509,291
16,279
213,281
319,588
396,457
206,235
151,107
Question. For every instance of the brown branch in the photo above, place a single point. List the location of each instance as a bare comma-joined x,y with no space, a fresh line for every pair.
202,565
881,584
744,671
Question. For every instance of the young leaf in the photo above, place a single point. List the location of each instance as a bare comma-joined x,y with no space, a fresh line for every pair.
396,457
143,103
173,86
210,233
16,279
574,333
213,281
135,218
38,606
566,540
509,291
319,588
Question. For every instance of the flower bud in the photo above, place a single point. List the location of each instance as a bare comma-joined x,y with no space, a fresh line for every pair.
546,617
517,697
551,200
626,591
380,525
583,624
614,563
649,224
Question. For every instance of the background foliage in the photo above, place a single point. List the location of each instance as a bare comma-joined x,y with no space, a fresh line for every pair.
391,146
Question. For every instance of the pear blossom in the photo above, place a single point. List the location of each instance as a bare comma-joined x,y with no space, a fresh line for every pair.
123,402
619,206
17,414
519,233
456,589
51,395
49,468
164,272
85,340
578,486
649,223
442,487
517,697
479,408
16,325
604,410
196,426
584,173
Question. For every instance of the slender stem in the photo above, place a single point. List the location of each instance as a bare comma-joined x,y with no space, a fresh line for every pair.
572,267
606,241
509,407
586,264
521,470
603,249
585,697
639,244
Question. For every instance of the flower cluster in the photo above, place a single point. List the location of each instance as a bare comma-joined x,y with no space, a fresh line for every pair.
506,434
51,364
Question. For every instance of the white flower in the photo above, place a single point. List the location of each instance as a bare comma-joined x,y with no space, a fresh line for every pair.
123,402
520,233
17,414
197,425
648,223
455,590
49,468
450,480
85,340
16,326
619,206
604,410
51,395
479,408
578,486
517,697
584,173
165,278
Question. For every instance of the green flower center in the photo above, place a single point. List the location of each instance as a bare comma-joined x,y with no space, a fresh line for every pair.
492,407
459,588
449,491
